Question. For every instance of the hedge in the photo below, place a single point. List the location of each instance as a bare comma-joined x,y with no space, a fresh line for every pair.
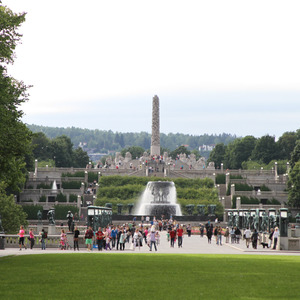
61,211
32,210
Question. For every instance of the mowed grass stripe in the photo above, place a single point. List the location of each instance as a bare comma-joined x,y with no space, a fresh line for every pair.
147,276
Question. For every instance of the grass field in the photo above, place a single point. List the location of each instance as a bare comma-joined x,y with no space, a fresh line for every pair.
146,276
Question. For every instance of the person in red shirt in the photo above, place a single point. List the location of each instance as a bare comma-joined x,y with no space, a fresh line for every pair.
99,237
179,236
173,236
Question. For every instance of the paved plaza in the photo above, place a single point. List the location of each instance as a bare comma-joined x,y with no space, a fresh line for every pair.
191,245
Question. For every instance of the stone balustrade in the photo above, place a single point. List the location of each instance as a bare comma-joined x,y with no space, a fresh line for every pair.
53,241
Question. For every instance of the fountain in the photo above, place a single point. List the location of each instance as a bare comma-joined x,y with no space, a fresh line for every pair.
159,198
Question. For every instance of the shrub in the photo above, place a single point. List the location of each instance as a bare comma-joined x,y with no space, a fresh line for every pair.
44,186
32,210
92,176
236,176
221,179
61,211
264,188
42,198
61,198
244,200
71,185
72,198
76,174
243,187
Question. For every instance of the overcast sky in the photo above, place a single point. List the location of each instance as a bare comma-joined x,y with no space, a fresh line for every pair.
216,66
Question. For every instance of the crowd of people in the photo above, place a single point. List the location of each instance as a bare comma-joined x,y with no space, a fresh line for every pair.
132,236
116,237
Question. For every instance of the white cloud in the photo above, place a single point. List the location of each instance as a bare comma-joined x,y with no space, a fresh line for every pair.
94,54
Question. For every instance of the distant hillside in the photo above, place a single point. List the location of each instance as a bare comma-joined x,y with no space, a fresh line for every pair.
104,141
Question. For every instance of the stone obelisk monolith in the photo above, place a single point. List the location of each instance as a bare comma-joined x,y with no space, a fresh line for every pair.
155,139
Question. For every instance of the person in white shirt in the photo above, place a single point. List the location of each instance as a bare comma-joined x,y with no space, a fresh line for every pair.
275,238
247,235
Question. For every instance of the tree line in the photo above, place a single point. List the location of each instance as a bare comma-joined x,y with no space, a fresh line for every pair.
104,141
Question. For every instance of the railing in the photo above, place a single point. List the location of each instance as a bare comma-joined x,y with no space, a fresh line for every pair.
53,241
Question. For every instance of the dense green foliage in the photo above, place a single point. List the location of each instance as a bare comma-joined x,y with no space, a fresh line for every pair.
32,210
256,153
135,151
294,186
252,200
103,141
60,149
190,276
15,146
71,185
61,211
12,214
127,189
76,174
61,197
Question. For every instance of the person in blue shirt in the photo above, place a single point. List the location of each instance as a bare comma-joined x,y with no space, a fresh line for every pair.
114,234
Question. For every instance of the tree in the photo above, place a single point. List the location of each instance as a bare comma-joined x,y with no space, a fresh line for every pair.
15,146
180,150
12,214
265,149
295,156
217,155
135,151
80,158
294,186
41,146
239,151
62,151
286,145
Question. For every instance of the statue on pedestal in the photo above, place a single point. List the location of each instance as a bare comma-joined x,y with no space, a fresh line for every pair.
70,220
39,216
51,216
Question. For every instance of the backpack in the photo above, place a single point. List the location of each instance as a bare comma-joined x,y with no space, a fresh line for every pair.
45,235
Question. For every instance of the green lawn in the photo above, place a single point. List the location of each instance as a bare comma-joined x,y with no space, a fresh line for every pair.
149,276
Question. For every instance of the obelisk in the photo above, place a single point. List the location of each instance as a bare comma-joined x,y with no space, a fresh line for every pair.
155,139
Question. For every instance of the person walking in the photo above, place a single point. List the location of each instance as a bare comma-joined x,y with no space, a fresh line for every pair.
76,238
226,234
237,233
172,236
43,238
114,234
21,238
216,234
180,236
153,240
89,234
275,238
232,235
63,239
99,238
254,239
247,235
31,238
189,230
209,235
219,242
271,237
122,240
137,237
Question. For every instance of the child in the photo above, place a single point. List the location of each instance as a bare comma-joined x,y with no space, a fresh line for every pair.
63,238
